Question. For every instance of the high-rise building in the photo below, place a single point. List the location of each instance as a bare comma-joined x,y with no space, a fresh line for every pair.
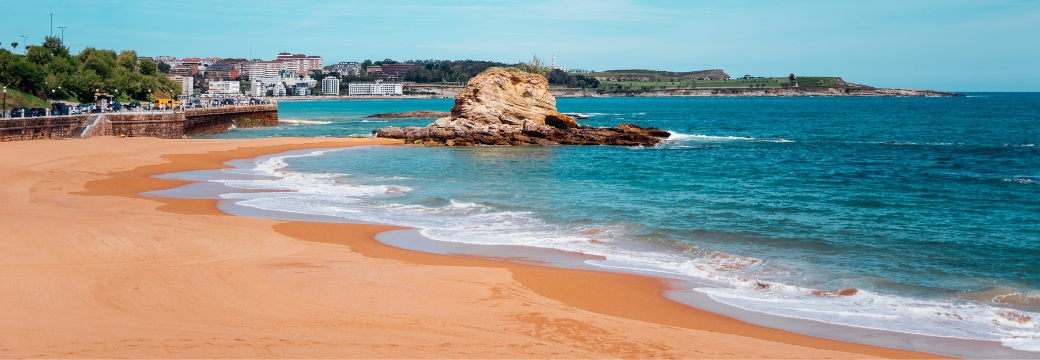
330,85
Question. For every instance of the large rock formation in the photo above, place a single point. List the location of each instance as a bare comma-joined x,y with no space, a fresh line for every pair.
510,107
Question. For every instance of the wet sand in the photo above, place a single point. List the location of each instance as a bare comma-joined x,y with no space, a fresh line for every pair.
90,268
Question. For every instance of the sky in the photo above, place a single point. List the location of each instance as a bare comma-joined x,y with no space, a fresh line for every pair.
952,45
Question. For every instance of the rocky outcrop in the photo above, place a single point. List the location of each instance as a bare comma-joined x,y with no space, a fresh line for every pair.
510,107
412,114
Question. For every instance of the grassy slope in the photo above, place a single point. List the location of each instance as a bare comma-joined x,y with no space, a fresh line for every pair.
17,98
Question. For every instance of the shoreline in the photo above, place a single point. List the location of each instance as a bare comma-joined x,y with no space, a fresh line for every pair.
451,93
643,300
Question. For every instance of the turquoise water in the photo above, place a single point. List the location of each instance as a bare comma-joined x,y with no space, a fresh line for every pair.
930,207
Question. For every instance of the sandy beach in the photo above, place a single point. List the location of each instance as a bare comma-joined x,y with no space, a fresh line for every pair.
91,269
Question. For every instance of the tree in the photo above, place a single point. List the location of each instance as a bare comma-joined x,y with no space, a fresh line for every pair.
54,44
163,68
148,66
792,77
127,59
14,47
535,66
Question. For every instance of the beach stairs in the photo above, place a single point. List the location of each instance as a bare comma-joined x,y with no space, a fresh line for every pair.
84,131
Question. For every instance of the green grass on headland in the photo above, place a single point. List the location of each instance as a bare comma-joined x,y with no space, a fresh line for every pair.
753,83
811,82
775,82
657,75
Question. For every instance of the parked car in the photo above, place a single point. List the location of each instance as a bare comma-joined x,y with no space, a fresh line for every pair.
116,106
18,112
36,112
60,109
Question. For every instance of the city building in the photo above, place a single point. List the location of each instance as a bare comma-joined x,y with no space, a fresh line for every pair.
257,88
168,60
301,89
187,83
185,70
374,88
222,72
330,86
258,68
224,88
395,71
374,71
279,90
260,84
347,68
302,64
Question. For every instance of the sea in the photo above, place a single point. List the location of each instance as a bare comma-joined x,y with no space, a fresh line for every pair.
924,210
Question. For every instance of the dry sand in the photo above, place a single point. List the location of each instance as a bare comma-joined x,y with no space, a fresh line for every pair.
88,268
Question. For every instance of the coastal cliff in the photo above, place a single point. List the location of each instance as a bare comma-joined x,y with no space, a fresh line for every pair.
511,107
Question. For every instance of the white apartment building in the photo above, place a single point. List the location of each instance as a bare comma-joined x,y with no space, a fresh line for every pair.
374,88
187,83
330,86
260,84
225,88
279,90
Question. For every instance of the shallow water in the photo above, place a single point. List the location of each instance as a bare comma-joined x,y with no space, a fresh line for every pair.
929,207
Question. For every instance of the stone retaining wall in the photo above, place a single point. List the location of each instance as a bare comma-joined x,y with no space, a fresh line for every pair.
53,127
218,120
161,125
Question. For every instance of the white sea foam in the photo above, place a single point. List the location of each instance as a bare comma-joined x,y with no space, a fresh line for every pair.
1016,329
303,122
738,279
1022,180
694,138
698,137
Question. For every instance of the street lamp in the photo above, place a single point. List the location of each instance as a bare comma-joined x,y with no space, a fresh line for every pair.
4,114
25,40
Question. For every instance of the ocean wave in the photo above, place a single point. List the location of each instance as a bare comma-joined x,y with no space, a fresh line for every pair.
679,137
303,122
741,281
917,143
1021,180
862,308
698,137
